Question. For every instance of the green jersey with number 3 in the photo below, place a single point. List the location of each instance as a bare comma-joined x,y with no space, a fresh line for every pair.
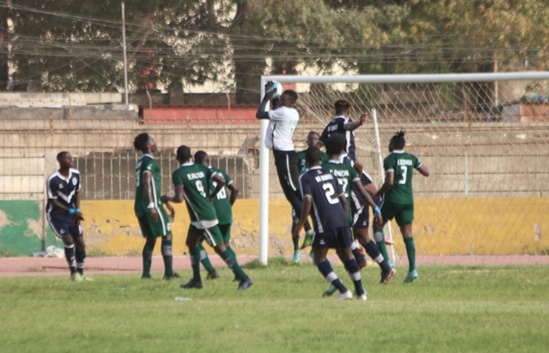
222,201
195,179
146,164
402,164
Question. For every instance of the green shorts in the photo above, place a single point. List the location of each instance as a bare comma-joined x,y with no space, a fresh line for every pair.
151,229
225,230
402,213
212,235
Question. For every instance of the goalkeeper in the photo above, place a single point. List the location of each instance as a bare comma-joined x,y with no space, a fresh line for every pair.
283,120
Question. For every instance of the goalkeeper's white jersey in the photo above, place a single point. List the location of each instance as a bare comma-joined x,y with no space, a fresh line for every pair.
282,123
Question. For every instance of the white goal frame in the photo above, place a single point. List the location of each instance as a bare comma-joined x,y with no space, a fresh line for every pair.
411,78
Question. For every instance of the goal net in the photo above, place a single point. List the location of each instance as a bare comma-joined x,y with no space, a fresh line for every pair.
484,137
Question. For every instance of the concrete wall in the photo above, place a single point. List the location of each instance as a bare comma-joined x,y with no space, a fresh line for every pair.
459,228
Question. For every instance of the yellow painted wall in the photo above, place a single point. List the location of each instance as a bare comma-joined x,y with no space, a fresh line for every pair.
441,227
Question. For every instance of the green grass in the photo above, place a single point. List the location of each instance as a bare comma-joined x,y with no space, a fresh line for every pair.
449,309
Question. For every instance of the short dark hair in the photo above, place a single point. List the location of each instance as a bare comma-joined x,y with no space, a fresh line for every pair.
200,156
335,144
140,141
61,155
183,153
292,94
342,105
313,133
398,140
312,155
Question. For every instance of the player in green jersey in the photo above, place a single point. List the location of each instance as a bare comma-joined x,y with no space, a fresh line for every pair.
192,183
152,217
223,203
312,140
398,198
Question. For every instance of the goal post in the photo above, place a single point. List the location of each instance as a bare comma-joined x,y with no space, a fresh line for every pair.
485,137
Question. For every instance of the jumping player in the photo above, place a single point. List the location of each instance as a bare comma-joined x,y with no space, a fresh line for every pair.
342,124
398,198
325,201
282,123
152,217
64,215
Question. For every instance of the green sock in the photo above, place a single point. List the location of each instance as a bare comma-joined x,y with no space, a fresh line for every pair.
147,258
167,257
230,259
204,258
295,240
411,251
380,242
195,263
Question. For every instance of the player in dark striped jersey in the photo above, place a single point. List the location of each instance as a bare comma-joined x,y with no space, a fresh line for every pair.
192,183
342,124
223,202
398,199
152,217
358,215
325,201
312,140
64,215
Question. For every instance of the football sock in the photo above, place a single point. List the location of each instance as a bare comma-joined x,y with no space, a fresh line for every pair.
195,264
167,256
380,241
295,240
354,272
80,256
307,226
326,269
147,258
204,259
411,252
69,255
375,254
230,259
358,255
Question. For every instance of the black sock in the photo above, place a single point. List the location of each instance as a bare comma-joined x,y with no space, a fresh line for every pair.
80,260
326,269
69,255
147,258
375,254
354,272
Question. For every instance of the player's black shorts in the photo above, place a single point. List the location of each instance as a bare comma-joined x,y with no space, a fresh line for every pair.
333,238
361,219
64,225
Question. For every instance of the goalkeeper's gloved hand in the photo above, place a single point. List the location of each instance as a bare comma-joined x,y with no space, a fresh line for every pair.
270,90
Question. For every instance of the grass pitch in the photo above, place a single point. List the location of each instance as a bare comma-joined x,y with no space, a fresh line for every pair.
448,309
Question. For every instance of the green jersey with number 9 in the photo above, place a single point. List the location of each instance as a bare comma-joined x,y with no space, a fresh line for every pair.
402,164
195,179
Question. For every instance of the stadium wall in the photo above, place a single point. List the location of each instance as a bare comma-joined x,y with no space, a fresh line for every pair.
111,228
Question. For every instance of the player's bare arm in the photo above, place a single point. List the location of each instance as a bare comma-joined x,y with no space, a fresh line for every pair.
353,126
147,180
423,170
307,204
78,216
387,185
220,184
234,193
364,193
177,198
